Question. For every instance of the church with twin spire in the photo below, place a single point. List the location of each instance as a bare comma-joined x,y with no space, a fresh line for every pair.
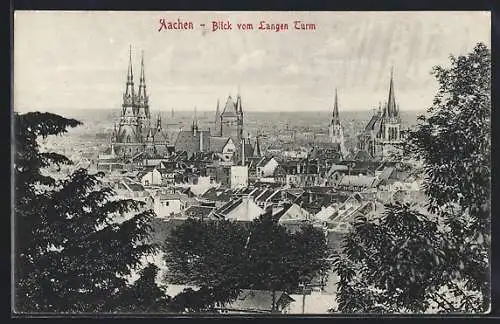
136,133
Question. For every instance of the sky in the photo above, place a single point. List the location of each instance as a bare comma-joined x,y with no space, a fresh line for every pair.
78,60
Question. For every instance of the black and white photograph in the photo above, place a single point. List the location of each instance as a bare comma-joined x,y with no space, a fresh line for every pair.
251,162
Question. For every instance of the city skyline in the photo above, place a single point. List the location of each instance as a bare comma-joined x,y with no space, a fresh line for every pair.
353,52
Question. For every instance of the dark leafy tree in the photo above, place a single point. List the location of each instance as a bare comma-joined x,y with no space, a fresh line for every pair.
310,253
269,252
208,254
144,295
71,255
223,257
434,259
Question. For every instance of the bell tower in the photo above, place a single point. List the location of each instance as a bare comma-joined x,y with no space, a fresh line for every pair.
129,98
391,131
335,129
143,112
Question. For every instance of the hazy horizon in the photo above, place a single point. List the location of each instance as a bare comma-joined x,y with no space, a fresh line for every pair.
65,61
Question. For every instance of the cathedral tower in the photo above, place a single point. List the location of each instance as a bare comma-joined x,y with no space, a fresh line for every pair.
335,129
389,137
142,105
127,132
232,120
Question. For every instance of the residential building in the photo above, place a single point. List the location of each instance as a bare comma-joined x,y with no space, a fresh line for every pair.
239,176
243,209
266,166
150,178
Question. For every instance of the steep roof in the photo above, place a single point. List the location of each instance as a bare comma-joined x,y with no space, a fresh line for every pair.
241,209
229,206
217,144
267,193
135,187
264,161
371,124
216,194
362,155
248,150
229,109
291,213
189,141
171,196
358,181
337,167
198,211
386,173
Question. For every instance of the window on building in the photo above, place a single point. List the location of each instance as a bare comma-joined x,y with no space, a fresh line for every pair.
167,203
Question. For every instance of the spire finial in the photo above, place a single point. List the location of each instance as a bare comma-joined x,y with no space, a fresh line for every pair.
130,72
142,65
336,106
391,103
195,120
129,88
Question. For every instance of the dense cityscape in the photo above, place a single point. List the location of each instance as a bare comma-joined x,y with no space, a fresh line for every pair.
211,170
224,172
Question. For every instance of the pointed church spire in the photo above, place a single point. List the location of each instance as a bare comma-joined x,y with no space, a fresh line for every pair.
142,95
194,126
218,125
336,107
142,80
130,75
158,123
129,89
217,112
391,103
256,151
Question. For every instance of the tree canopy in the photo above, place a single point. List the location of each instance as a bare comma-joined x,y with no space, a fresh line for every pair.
222,257
71,253
410,260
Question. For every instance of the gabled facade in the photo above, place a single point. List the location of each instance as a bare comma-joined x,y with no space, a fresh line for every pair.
266,166
151,178
243,209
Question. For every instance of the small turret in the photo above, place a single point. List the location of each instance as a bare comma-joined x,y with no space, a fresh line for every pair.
158,123
194,126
